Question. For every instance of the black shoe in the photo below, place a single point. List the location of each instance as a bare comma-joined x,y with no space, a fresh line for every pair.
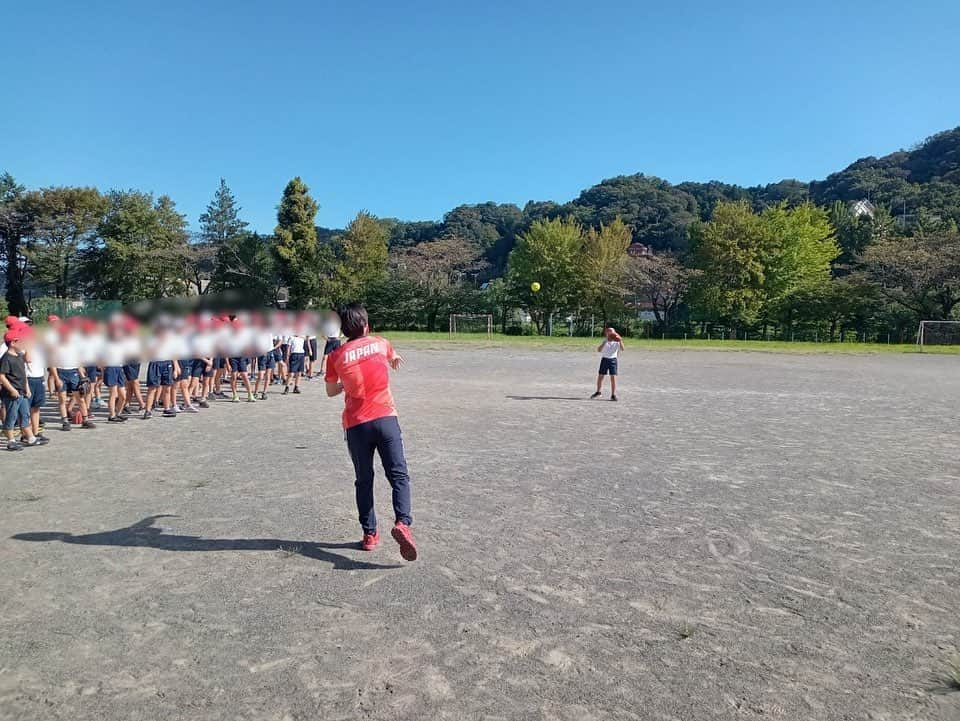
115,419
286,389
65,426
595,395
87,423
125,411
203,404
613,397
147,415
296,390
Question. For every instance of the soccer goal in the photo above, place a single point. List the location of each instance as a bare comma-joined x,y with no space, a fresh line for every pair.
938,332
471,323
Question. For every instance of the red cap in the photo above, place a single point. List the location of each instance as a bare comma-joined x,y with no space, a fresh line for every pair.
16,333
11,321
53,318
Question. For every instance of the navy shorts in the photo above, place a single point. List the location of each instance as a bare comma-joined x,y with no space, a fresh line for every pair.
93,373
608,366
296,362
131,371
265,362
113,377
69,379
284,347
219,363
277,355
38,392
18,413
331,345
159,373
199,368
312,348
239,365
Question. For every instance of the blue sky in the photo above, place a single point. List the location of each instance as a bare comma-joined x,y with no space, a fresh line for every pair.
409,108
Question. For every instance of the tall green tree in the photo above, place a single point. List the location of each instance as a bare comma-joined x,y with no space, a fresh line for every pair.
728,252
221,220
247,263
750,264
13,227
221,233
799,246
61,221
549,254
604,260
143,250
296,245
364,261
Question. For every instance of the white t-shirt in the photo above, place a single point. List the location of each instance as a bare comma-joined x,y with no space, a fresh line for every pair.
203,345
610,349
37,365
297,343
264,343
68,353
114,353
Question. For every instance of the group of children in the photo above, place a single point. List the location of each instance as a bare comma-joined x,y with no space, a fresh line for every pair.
189,359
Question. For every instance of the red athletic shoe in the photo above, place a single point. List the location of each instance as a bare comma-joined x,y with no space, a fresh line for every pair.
370,541
404,536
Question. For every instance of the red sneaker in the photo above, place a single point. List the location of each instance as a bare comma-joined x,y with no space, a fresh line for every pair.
404,536
370,541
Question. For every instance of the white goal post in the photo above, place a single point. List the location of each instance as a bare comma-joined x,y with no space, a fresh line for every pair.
938,332
471,323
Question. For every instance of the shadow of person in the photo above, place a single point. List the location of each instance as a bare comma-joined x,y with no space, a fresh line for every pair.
548,398
144,534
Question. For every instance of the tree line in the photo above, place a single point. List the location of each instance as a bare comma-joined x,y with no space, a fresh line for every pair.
866,252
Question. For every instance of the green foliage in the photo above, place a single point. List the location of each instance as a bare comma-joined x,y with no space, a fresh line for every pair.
920,273
657,213
799,247
246,262
751,264
221,221
927,176
13,227
296,245
434,270
728,251
548,253
603,261
60,221
364,261
143,251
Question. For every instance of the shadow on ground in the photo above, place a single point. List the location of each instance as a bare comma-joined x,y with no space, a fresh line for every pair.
143,534
548,398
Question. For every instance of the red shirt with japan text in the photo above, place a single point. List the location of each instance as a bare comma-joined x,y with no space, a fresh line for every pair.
362,365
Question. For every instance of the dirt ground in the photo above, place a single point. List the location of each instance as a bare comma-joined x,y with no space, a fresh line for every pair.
742,536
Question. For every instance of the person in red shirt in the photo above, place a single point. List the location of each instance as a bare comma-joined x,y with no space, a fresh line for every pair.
360,369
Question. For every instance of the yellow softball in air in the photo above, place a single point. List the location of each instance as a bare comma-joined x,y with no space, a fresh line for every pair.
535,287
